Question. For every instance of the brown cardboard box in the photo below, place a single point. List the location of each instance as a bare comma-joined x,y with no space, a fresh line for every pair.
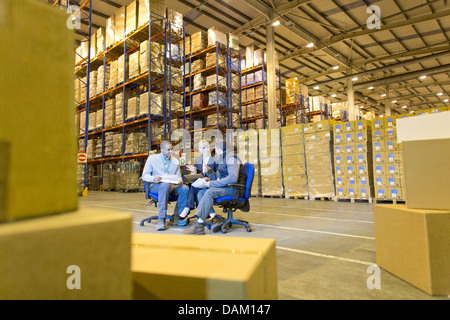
427,174
292,129
292,149
38,142
380,192
294,170
213,268
296,159
414,245
292,139
36,255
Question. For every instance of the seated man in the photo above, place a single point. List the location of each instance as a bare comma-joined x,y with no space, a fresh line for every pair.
158,166
229,170
204,165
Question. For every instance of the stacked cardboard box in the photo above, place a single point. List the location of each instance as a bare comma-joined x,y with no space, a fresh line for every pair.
113,74
120,103
353,159
214,80
110,112
319,158
122,70
134,64
387,160
294,166
233,41
199,41
47,233
109,144
293,88
129,173
93,83
132,108
198,65
212,59
102,79
98,148
99,119
199,101
215,35
110,32
117,144
217,98
134,143
187,45
119,24
247,143
132,17
270,162
93,51
101,37
109,176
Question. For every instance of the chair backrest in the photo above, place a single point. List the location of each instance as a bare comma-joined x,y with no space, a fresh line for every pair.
249,170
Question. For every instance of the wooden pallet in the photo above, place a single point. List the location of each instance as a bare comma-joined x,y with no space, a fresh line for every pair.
352,199
297,197
393,201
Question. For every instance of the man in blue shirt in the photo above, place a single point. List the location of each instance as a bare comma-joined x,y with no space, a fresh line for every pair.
156,168
228,172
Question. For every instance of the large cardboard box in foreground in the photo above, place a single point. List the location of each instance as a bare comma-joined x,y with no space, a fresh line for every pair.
182,267
37,129
427,174
85,254
414,245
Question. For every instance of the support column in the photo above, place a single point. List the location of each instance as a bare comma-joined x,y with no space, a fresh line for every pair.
388,104
351,98
271,76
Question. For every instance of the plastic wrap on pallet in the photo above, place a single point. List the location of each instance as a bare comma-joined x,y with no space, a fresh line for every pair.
103,78
110,31
90,150
250,94
199,101
176,78
119,20
197,65
129,173
214,79
187,45
259,109
199,82
211,120
113,74
260,76
100,40
132,144
259,94
99,119
92,83
134,64
217,99
249,51
92,121
122,70
119,108
82,122
117,144
233,41
110,112
199,41
98,148
215,35
109,144
132,108
250,110
131,17
109,176
258,56
212,58
176,101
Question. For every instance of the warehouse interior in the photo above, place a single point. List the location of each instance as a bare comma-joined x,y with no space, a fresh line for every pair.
340,106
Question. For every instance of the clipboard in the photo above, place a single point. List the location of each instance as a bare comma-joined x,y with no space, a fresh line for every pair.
192,177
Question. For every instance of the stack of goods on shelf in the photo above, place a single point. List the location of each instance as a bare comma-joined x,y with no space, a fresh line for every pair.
387,160
216,80
83,89
198,65
110,32
217,98
92,121
213,59
353,159
199,41
98,148
132,17
233,41
157,58
319,158
247,149
187,46
129,173
134,143
215,35
109,176
92,83
293,88
117,144
90,150
120,101
113,74
110,112
339,110
199,82
109,144
319,103
211,120
80,178
100,40
134,64
176,19
82,122
199,101
99,119
132,108
294,168
122,70
270,162
102,79
119,24
81,52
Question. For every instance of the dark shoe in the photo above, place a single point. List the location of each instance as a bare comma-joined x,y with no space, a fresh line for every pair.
196,228
216,224
161,226
177,222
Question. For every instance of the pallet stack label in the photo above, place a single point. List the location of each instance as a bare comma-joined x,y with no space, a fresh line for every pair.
387,160
270,162
294,167
353,159
319,159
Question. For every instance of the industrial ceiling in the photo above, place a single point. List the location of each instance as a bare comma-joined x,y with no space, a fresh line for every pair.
395,53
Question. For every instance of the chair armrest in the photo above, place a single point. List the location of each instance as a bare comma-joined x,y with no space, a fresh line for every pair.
234,185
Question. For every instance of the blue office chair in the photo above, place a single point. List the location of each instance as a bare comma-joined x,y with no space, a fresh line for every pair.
233,203
154,200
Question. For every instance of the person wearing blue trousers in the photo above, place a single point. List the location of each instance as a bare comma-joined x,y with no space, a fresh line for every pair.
205,165
155,168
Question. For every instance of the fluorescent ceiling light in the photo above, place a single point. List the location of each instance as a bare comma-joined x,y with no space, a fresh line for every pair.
394,101
370,88
446,100
423,77
309,45
334,95
439,94
361,107
316,88
355,79
335,67
276,23
404,107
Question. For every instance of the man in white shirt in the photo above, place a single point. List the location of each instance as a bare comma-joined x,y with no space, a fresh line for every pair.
156,168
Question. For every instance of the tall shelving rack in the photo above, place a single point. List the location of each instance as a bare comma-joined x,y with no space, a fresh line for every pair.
226,91
263,99
156,121
302,105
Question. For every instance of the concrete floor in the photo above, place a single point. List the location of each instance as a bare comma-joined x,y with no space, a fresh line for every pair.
324,248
